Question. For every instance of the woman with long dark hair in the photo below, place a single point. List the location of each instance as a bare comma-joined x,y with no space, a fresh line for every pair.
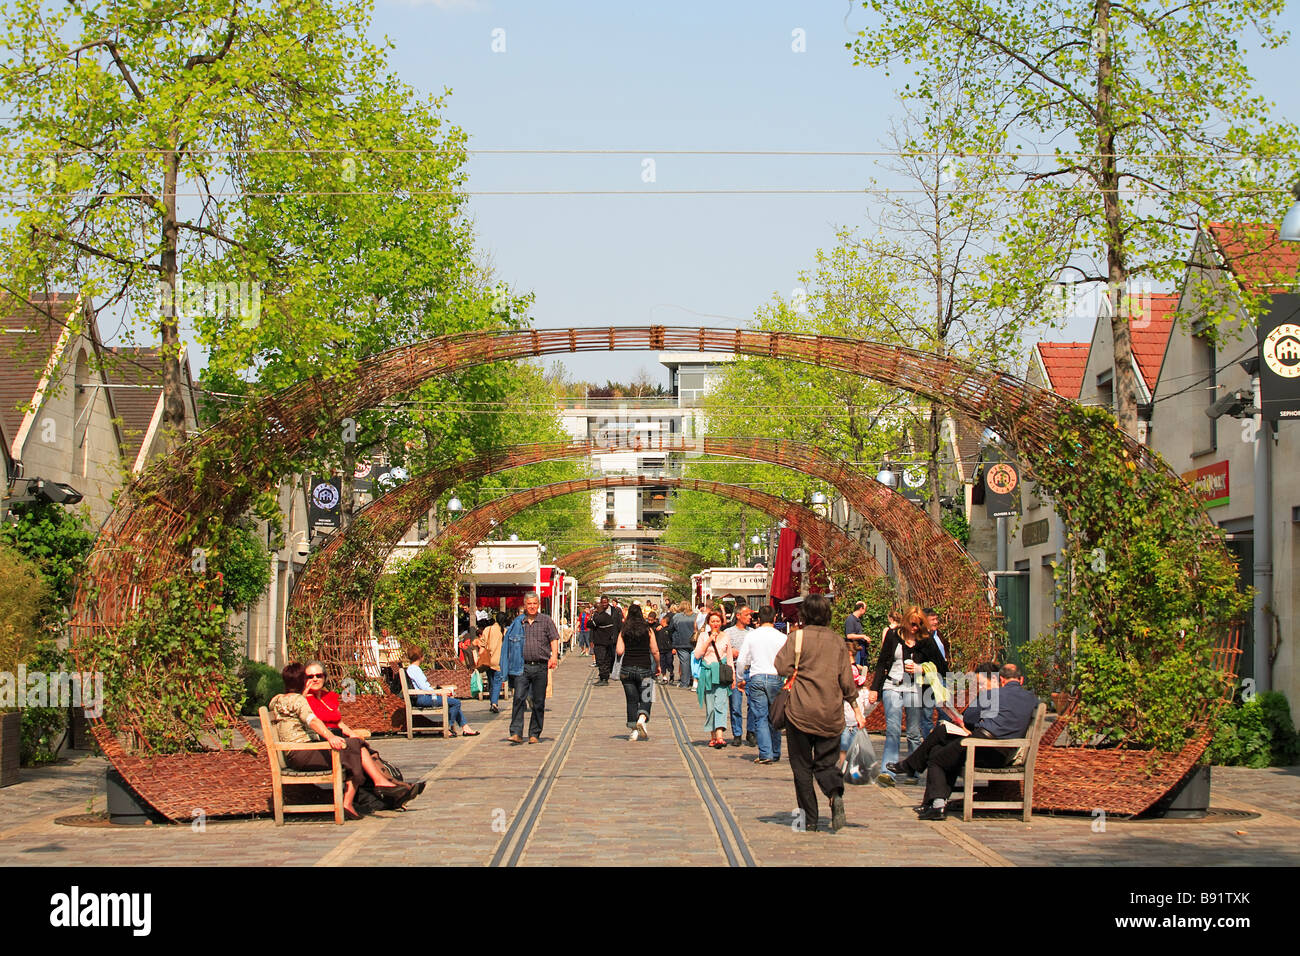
897,683
711,650
639,652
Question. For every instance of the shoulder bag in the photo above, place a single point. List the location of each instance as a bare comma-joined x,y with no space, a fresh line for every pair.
726,676
776,714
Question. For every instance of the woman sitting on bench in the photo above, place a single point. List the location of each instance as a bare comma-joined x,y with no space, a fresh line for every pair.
293,720
416,676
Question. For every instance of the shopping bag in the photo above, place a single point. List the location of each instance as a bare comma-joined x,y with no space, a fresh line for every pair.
475,684
860,765
617,668
695,668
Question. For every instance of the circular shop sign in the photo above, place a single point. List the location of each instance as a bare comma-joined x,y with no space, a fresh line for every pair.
325,496
1002,478
1282,350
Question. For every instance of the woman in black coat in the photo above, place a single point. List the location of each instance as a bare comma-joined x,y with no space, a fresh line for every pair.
897,684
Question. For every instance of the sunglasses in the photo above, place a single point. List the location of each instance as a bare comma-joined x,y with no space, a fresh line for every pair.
315,676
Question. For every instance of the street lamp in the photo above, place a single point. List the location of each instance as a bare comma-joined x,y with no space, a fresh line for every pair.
818,498
454,506
1290,231
886,478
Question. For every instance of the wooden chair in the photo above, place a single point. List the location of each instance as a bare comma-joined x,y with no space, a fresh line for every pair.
1019,769
439,713
282,773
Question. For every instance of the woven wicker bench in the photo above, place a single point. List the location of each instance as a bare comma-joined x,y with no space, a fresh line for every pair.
1018,769
282,773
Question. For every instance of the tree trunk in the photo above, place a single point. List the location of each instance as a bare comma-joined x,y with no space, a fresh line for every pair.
345,497
169,321
1125,375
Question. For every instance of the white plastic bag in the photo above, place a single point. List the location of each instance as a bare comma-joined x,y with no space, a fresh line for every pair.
860,764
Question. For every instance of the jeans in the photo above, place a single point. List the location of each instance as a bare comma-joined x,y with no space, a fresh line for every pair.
584,638
762,690
737,702
638,686
684,666
532,682
895,702
604,660
494,686
453,707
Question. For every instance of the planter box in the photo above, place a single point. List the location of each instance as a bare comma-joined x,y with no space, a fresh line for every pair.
1190,799
11,739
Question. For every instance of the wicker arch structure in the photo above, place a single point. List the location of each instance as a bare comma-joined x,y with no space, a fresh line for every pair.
328,615
345,646
216,476
345,652
665,555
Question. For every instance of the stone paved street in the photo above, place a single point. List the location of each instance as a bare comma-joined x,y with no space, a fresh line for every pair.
606,801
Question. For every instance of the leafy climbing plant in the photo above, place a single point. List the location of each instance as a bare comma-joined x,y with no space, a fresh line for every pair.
1147,589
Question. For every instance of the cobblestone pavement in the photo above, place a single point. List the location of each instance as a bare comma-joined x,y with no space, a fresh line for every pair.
586,795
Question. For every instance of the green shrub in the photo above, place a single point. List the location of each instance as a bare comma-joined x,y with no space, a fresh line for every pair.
1242,738
43,727
1283,740
261,683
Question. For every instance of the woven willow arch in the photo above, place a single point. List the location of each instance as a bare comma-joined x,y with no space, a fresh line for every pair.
156,520
328,614
342,638
663,553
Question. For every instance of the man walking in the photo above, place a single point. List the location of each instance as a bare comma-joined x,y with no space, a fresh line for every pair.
534,646
735,636
758,661
683,632
853,632
605,625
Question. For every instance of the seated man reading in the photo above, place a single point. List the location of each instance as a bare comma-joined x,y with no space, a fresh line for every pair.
942,756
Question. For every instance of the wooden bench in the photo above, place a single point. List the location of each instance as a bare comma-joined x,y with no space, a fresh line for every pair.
282,773
438,713
1019,769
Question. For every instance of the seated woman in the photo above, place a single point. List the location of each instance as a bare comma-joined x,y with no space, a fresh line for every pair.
416,676
325,703
293,720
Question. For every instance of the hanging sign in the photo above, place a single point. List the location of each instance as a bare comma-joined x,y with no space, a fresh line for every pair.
363,481
913,484
1279,358
1001,484
323,502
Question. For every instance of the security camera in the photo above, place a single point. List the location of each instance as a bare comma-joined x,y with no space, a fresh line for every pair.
1236,404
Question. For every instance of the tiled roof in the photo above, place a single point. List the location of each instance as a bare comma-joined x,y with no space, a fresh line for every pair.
28,335
1150,333
135,406
1257,257
1064,362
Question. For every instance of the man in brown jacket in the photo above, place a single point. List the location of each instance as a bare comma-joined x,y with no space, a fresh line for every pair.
815,713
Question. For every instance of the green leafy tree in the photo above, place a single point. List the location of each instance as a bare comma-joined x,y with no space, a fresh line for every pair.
1138,121
162,145
57,540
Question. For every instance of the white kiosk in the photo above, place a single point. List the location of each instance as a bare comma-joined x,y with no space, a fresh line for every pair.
746,585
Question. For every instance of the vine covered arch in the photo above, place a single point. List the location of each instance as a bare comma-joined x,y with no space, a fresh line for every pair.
677,558
161,517
329,608
346,649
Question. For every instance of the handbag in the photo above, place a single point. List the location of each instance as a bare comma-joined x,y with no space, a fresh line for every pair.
726,676
776,713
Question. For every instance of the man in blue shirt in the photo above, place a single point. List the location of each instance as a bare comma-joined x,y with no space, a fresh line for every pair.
942,756
529,651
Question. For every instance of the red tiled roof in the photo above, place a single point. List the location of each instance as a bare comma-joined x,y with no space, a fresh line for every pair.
28,334
1150,332
1064,362
1257,257
135,406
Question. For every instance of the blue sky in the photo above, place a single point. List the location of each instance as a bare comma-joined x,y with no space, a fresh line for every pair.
654,77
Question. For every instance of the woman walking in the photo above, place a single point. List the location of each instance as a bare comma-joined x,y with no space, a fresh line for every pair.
489,646
663,640
897,683
640,655
711,650
819,662
683,637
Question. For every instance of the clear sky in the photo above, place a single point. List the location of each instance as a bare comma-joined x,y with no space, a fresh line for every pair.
652,77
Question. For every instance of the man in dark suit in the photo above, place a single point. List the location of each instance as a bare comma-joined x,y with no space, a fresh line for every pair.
942,756
605,625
